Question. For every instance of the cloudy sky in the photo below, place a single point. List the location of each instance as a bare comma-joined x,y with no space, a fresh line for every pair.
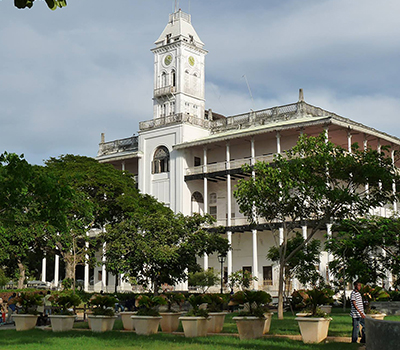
69,75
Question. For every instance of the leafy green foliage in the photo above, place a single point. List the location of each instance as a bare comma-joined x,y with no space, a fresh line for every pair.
195,301
158,245
241,279
52,4
318,296
302,264
215,301
315,182
148,305
370,294
355,241
203,279
173,299
102,304
3,278
65,301
28,302
257,301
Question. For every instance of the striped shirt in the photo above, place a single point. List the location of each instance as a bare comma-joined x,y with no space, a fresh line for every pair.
356,296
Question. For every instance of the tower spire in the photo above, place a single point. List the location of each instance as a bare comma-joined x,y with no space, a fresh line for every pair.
176,5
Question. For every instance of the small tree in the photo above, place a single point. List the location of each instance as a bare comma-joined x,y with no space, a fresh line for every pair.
241,279
302,264
316,182
52,4
203,279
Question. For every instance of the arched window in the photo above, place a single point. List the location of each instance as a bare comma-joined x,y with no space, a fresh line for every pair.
163,79
160,160
173,77
197,203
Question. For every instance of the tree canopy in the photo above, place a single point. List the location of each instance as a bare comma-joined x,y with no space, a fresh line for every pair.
52,4
315,182
156,246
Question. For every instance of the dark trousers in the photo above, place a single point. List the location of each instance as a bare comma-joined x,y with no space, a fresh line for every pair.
357,321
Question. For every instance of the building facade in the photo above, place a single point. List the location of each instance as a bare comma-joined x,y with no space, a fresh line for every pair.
191,158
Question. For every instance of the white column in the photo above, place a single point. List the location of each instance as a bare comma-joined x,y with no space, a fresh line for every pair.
253,151
86,276
44,269
255,258
394,186
304,231
280,235
205,198
278,142
349,140
104,271
326,130
123,165
229,259
228,188
56,270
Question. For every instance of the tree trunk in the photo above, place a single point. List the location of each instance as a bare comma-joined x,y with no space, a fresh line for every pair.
69,269
21,278
280,291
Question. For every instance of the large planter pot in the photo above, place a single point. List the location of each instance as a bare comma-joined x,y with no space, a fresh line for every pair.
62,323
170,321
100,323
194,326
250,327
146,325
376,316
326,308
23,322
127,320
216,322
313,329
268,319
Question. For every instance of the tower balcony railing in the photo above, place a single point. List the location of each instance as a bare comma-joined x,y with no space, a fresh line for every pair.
121,145
173,119
164,91
233,164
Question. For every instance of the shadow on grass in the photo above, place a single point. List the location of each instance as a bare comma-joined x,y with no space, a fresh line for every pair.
40,340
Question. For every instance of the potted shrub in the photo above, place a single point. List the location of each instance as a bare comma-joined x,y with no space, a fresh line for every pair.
251,321
102,318
194,323
170,318
215,304
314,324
63,316
147,319
370,294
27,317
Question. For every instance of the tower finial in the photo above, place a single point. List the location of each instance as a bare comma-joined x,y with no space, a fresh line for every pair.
176,5
301,95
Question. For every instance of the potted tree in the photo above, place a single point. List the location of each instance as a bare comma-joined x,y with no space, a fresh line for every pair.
314,324
215,304
371,294
102,318
170,318
194,323
63,316
147,319
27,317
251,321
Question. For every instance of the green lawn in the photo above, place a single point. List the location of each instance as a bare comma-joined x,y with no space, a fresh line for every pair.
76,340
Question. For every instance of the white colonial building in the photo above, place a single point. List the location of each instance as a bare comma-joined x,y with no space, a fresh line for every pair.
190,158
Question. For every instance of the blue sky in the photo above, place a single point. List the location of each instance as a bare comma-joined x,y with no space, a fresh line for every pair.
69,75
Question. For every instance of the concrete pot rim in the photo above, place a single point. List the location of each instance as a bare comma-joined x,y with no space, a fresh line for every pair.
217,313
24,315
63,316
313,319
101,316
372,315
239,318
187,318
146,317
171,313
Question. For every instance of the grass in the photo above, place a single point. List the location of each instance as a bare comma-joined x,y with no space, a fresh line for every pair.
76,340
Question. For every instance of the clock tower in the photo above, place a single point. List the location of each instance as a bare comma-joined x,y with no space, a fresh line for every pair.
179,69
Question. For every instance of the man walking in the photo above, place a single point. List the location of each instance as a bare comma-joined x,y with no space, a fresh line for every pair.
357,313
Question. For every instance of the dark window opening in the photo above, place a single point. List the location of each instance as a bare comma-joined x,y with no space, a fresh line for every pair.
197,161
161,160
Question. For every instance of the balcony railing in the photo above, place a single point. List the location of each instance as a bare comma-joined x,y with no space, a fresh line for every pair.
172,119
221,166
122,145
164,91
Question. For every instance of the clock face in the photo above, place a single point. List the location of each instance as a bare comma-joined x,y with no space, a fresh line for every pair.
168,60
191,60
